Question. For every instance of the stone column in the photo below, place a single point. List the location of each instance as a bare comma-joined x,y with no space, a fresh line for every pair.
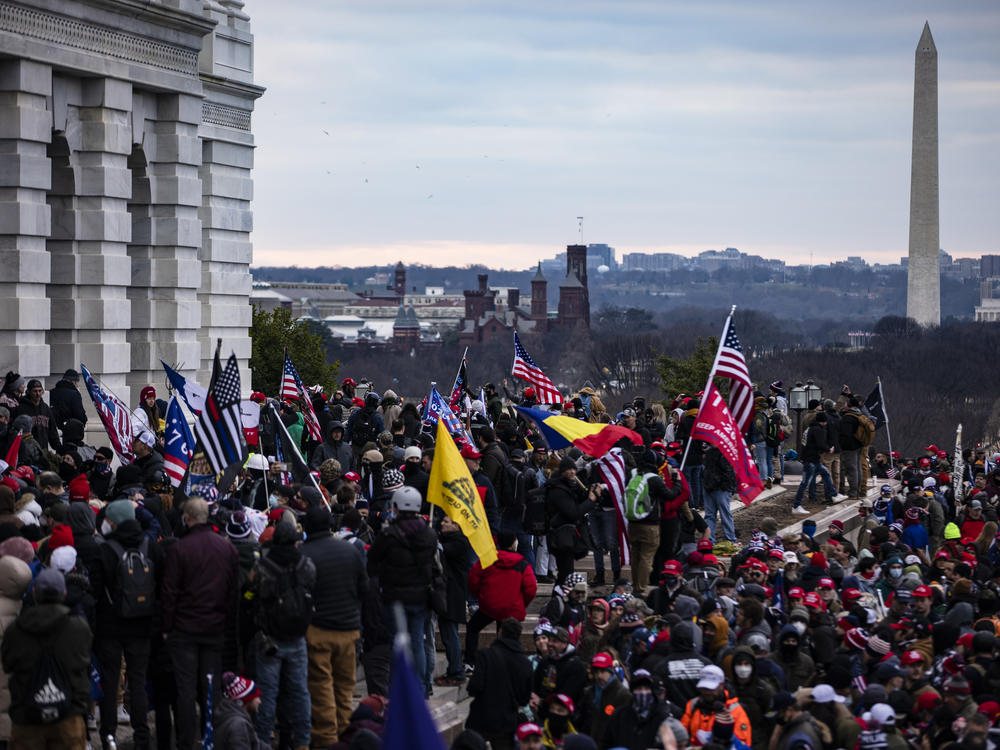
25,176
102,310
166,272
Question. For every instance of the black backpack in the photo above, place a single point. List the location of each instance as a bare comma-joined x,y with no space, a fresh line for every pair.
50,695
284,598
135,593
536,519
364,431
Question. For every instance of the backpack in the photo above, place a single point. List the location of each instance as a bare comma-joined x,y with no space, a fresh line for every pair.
50,696
364,430
638,504
536,520
135,592
775,432
864,433
285,602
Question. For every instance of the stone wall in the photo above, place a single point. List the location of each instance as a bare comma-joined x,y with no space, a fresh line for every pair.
125,187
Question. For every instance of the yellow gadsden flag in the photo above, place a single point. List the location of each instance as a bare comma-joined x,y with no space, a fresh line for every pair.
451,488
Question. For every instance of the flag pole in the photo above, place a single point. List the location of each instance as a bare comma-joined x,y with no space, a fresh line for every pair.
708,383
885,412
427,410
459,371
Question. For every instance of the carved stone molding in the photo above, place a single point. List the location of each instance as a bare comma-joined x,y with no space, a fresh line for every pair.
67,32
229,117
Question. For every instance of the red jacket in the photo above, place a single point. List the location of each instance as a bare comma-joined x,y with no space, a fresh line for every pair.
670,509
505,588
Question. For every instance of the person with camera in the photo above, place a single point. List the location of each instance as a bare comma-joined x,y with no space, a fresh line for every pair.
567,502
604,533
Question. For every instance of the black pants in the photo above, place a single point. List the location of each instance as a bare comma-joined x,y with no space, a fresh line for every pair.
376,662
109,654
194,657
161,678
670,534
477,622
565,563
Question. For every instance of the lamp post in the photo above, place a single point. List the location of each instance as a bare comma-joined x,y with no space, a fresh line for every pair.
798,400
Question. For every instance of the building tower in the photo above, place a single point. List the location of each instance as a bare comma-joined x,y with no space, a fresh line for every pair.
399,281
923,290
576,266
539,300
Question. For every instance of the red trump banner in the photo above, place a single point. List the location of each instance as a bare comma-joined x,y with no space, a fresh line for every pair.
714,424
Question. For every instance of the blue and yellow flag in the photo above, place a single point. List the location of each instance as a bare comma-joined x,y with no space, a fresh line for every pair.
451,488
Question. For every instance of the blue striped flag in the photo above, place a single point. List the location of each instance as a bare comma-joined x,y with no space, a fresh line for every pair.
178,443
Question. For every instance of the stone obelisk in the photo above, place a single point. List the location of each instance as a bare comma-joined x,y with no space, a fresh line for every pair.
923,291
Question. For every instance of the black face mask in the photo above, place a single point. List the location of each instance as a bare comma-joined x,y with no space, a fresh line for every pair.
670,581
558,725
643,702
789,650
67,471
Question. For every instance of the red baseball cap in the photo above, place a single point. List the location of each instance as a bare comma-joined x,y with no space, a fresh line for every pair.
991,709
921,592
352,476
796,593
524,731
812,600
966,640
925,461
673,567
24,472
931,448
851,595
602,661
257,397
942,555
826,583
562,698
911,657
928,701
704,544
709,559
469,452
777,554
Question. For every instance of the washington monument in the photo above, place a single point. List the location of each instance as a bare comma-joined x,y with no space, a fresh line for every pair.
923,291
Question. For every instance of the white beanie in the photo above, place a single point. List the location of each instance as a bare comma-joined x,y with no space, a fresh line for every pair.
63,559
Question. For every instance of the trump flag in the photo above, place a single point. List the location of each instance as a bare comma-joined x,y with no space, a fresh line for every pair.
715,425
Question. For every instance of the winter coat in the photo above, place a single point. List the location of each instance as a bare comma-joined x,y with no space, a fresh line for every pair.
104,580
192,601
817,443
151,467
43,424
680,670
626,729
341,581
234,729
48,627
695,455
401,557
561,503
599,704
330,448
455,559
798,670
719,475
696,719
66,403
755,695
390,410
15,575
505,588
500,685
565,674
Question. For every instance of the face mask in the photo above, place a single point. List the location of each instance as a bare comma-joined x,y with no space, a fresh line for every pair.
895,572
558,725
743,671
789,649
643,702
800,627
105,527
272,501
67,471
670,581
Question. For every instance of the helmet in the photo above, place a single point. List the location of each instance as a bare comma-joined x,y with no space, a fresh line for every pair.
407,499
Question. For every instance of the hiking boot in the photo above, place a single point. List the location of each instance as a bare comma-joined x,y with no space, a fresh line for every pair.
598,580
767,483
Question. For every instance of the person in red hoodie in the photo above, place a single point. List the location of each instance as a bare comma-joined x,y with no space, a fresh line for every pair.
670,522
504,589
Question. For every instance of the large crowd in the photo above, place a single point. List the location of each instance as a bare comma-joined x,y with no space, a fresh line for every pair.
249,611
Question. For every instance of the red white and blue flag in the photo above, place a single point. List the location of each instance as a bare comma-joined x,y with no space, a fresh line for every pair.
115,416
610,470
716,426
526,369
178,443
436,408
461,383
219,426
292,388
733,365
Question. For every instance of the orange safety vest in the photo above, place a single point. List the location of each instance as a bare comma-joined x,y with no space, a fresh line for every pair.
695,719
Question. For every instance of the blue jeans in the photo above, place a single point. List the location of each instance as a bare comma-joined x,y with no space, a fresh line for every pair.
416,616
452,647
760,458
430,650
809,472
524,541
284,676
717,501
696,481
604,533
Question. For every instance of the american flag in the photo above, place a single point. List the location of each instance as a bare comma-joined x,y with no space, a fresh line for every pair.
115,416
733,365
292,388
461,382
178,443
526,369
436,409
610,469
892,472
219,426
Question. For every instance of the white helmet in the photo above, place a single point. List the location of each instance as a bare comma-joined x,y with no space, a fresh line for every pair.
407,499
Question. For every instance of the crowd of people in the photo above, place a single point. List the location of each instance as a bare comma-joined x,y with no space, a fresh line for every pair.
250,610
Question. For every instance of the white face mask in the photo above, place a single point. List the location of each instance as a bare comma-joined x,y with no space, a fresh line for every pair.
743,670
272,501
106,527
799,626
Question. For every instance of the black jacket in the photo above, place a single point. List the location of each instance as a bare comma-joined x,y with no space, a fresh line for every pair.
833,429
341,581
681,669
43,424
401,558
500,685
66,403
719,475
565,674
52,628
565,502
455,559
81,519
330,448
683,434
151,467
626,729
104,581
817,442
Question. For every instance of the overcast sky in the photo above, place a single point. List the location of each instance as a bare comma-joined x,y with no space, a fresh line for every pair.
477,132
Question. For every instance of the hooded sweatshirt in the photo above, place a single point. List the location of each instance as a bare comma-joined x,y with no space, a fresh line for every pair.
681,670
15,575
506,588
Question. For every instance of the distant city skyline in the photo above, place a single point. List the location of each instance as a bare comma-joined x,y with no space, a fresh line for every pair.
452,133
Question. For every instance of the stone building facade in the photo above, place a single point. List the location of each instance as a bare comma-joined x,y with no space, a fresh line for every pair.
125,187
